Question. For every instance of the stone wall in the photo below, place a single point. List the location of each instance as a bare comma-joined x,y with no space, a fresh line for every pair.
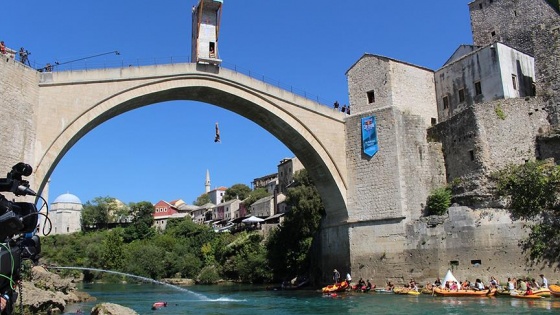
395,83
485,138
472,243
511,21
547,47
19,93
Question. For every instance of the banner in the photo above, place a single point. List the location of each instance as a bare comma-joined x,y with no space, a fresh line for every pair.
369,136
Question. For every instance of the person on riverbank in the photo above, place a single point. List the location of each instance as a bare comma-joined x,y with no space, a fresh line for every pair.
544,284
336,276
511,284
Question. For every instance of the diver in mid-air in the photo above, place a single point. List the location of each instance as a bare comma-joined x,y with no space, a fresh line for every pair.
217,138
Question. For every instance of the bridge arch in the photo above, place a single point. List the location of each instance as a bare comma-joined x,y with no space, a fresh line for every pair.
86,99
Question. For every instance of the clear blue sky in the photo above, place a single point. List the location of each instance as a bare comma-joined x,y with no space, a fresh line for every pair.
162,151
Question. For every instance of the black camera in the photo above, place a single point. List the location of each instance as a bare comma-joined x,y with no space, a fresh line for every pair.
17,217
18,222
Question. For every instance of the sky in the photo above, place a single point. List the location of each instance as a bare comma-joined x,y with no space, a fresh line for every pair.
162,151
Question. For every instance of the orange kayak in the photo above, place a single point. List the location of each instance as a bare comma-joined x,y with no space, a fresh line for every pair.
337,287
480,293
524,296
554,290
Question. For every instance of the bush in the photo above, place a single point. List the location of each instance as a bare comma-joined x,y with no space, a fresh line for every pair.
439,201
208,275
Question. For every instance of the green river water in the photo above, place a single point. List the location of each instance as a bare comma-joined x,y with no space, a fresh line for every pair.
246,299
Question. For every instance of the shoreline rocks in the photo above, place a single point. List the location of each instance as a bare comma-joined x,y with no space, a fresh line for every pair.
47,292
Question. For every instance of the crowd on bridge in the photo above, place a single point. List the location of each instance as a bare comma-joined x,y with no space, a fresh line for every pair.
22,55
344,109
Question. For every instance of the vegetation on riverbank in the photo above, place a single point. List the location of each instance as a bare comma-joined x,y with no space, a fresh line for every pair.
532,194
189,250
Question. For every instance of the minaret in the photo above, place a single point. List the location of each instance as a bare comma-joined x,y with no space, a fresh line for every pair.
207,184
205,29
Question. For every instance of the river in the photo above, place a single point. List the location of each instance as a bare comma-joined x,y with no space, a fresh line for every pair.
246,299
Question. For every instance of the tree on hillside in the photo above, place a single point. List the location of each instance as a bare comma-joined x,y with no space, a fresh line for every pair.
142,220
289,247
95,213
202,200
255,195
112,255
237,191
532,192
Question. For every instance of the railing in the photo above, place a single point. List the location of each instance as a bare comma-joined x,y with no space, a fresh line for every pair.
96,65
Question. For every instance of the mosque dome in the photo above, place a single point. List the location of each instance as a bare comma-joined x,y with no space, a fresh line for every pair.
67,198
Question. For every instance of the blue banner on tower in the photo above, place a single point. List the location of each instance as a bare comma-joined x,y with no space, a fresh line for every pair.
369,136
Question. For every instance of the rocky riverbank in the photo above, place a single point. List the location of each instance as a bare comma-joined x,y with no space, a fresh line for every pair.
48,293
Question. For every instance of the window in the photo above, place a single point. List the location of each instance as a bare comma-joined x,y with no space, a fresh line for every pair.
434,121
471,152
461,95
445,102
493,33
480,5
212,48
476,262
371,97
477,88
514,81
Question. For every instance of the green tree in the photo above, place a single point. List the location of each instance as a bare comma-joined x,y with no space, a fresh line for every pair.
289,247
96,213
202,200
237,191
112,252
145,259
245,259
254,196
532,192
142,220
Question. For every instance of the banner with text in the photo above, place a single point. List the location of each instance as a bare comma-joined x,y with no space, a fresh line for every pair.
369,136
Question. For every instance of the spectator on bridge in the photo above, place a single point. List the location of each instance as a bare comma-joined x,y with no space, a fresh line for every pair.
336,105
48,67
343,108
23,55
348,110
2,48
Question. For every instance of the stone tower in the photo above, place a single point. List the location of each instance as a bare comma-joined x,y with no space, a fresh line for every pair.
205,29
207,183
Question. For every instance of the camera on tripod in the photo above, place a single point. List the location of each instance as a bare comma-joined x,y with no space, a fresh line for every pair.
18,222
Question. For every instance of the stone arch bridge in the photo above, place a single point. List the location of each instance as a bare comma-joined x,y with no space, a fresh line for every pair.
74,102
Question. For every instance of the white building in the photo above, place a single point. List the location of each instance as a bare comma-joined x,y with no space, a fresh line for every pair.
65,214
482,74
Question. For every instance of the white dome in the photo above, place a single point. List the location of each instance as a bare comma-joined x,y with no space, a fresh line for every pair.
67,198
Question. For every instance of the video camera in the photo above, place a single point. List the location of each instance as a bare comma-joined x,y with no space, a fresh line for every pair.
18,221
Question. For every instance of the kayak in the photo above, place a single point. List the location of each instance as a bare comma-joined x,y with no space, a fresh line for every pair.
544,292
405,291
479,293
383,291
524,296
554,290
337,287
